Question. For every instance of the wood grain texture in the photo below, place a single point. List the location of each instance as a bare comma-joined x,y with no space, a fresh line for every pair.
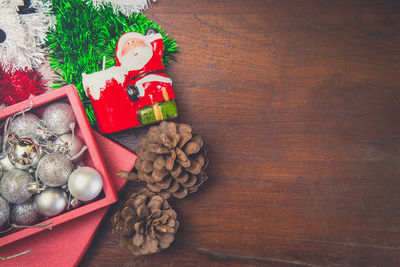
298,104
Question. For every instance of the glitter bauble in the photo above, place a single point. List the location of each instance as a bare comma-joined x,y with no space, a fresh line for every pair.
14,186
58,117
24,214
54,169
51,202
24,125
85,183
24,153
4,211
69,144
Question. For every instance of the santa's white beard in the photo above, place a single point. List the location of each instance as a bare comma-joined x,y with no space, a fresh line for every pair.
137,58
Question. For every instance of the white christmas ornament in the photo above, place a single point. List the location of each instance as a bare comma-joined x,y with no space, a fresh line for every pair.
6,164
70,144
23,30
126,7
51,201
85,183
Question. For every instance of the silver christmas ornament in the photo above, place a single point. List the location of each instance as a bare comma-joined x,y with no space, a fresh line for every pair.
4,211
54,169
59,117
23,153
14,186
85,183
71,145
51,202
24,125
6,164
24,214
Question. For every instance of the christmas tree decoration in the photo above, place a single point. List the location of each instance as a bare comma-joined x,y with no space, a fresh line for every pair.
4,211
55,165
59,117
85,34
5,163
23,31
136,87
54,169
85,183
14,186
69,144
23,153
171,160
145,224
24,125
51,202
20,85
24,214
124,6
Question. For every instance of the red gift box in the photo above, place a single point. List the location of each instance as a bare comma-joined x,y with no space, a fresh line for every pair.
92,159
65,245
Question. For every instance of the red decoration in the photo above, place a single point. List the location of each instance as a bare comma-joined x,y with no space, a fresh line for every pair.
136,91
19,86
93,158
75,236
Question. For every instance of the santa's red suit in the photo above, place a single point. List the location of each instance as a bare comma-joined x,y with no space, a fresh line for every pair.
128,89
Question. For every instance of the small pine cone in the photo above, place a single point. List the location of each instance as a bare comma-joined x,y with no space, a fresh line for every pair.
171,160
145,224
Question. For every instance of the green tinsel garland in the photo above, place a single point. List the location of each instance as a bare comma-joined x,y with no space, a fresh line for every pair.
83,35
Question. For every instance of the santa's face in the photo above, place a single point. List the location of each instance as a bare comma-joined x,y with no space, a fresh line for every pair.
135,53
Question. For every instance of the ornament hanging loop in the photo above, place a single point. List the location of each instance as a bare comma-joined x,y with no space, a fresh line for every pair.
14,139
42,225
16,255
36,187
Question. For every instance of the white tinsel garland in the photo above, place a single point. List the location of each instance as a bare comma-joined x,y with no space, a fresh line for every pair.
126,7
23,48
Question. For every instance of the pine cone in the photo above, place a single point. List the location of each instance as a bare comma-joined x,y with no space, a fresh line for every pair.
145,224
171,160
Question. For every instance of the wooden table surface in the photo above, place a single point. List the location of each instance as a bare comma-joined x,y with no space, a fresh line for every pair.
298,104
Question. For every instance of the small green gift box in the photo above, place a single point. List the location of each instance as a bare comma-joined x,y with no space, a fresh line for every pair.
157,112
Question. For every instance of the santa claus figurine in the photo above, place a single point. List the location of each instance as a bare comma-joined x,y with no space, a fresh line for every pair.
136,91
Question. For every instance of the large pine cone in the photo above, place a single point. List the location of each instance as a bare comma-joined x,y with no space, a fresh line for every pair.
145,224
171,160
